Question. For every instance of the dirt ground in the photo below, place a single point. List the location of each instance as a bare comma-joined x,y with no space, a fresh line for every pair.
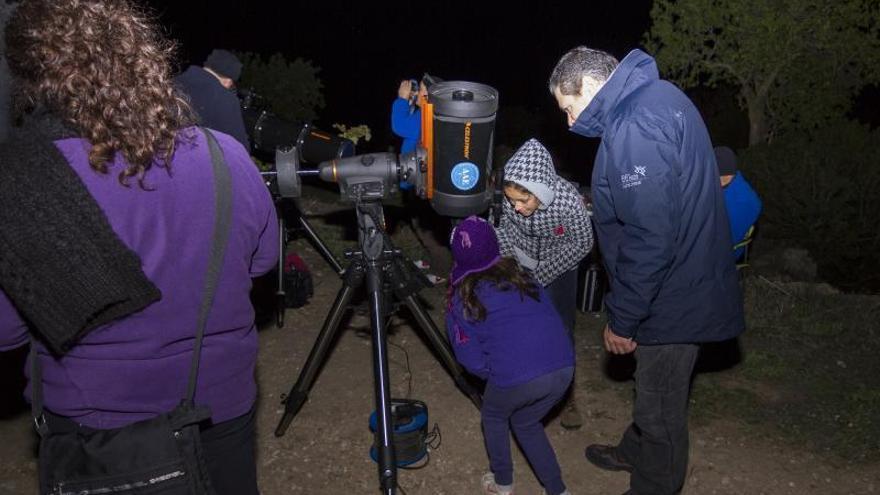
325,449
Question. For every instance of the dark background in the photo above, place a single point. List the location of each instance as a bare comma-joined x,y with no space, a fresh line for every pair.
364,50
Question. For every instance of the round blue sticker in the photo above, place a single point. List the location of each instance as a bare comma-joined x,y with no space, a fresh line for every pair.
465,176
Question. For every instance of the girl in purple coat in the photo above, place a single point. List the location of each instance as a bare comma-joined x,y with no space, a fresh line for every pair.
504,329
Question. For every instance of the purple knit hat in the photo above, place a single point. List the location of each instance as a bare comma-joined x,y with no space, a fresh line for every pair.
474,247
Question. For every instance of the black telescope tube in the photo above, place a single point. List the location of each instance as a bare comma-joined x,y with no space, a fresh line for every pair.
463,141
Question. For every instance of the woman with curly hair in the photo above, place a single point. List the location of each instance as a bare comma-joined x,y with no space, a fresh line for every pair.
106,223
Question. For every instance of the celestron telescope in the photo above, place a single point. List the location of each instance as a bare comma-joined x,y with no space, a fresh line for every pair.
450,168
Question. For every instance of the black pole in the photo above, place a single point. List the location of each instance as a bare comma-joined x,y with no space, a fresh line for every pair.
299,393
280,294
376,254
386,458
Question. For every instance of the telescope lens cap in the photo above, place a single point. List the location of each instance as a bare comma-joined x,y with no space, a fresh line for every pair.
463,95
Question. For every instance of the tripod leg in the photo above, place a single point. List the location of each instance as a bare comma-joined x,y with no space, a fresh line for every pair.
280,295
386,460
441,345
299,393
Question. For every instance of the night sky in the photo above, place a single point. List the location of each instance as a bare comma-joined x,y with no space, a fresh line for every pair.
364,49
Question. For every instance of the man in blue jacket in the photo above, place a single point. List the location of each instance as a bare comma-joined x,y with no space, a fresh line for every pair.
211,90
662,229
742,202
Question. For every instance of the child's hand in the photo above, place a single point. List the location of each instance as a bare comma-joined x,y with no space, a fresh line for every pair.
524,259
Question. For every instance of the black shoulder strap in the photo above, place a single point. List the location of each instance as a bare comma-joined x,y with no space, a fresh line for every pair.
222,221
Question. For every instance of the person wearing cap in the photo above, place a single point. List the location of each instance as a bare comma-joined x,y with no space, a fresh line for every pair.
662,230
406,114
545,226
503,328
742,202
211,91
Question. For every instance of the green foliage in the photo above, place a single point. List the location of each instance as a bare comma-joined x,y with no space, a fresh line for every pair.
821,190
292,89
796,63
354,133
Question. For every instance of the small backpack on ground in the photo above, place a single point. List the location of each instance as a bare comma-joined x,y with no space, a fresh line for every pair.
298,286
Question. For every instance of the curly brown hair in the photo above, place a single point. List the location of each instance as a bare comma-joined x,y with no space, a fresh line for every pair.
104,67
504,275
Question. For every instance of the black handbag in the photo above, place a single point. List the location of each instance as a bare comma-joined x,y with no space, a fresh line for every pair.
162,455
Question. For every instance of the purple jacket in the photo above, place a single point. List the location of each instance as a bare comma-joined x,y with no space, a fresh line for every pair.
520,339
137,367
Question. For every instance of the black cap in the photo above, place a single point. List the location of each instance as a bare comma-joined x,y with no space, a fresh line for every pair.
726,159
223,62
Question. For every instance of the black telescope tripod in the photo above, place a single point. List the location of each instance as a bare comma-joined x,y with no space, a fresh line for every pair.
384,269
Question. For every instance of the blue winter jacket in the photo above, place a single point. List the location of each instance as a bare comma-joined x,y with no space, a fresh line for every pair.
520,339
408,126
743,208
659,212
405,124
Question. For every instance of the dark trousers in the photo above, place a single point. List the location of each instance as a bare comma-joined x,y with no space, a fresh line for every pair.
563,293
521,408
230,454
228,448
656,443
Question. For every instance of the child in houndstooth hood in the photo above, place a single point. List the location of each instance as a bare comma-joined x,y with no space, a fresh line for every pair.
545,226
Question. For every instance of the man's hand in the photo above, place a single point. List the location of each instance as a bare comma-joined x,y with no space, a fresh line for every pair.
616,344
405,89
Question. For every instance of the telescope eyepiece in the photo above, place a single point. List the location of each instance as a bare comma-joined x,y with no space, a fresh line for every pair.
463,95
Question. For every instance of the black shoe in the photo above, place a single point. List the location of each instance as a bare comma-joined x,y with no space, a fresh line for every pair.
605,457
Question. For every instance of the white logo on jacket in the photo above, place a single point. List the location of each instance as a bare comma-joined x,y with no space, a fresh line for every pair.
640,172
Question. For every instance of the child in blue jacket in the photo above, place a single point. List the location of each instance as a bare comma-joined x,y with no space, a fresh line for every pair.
503,328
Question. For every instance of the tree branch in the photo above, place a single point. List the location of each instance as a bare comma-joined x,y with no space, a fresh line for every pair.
730,69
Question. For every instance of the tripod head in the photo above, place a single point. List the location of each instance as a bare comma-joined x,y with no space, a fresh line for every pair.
372,176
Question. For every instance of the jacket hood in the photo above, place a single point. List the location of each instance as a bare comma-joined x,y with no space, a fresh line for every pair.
532,168
634,71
